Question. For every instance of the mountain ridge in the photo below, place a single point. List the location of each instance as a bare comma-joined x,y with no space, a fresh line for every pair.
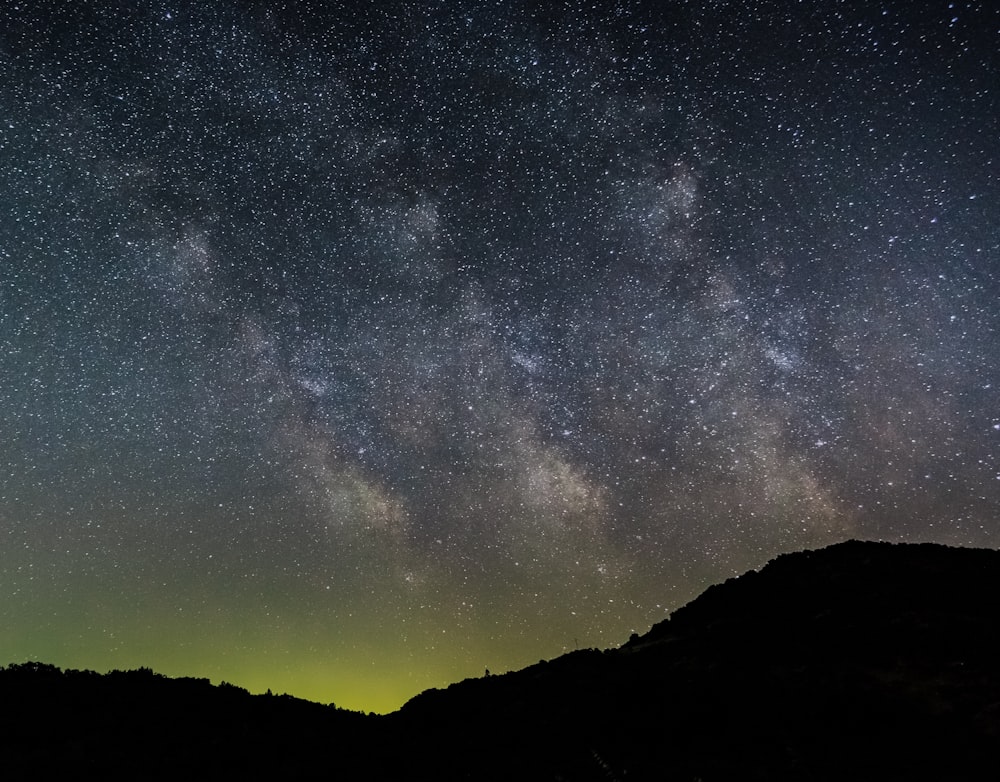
864,660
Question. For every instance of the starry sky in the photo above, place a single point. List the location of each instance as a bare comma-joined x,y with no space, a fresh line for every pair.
349,349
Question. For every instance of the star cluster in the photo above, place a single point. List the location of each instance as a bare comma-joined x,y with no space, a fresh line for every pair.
350,348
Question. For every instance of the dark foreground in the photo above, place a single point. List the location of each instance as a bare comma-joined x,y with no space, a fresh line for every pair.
861,661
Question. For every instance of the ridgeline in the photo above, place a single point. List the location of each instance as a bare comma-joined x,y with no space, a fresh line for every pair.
860,661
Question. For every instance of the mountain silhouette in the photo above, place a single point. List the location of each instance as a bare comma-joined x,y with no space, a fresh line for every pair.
859,661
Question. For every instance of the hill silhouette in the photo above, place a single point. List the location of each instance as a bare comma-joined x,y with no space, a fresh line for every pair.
858,661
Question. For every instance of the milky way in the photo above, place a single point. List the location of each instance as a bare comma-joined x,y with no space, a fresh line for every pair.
349,350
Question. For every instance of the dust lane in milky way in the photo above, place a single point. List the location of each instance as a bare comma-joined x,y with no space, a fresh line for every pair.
350,350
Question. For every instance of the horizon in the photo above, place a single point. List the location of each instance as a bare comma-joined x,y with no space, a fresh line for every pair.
353,351
318,681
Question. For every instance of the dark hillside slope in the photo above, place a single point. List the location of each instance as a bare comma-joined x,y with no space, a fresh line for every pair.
139,725
860,661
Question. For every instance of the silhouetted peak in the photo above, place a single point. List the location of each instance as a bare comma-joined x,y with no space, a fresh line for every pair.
858,661
863,578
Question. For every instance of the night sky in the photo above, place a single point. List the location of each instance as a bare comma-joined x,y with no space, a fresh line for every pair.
351,349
